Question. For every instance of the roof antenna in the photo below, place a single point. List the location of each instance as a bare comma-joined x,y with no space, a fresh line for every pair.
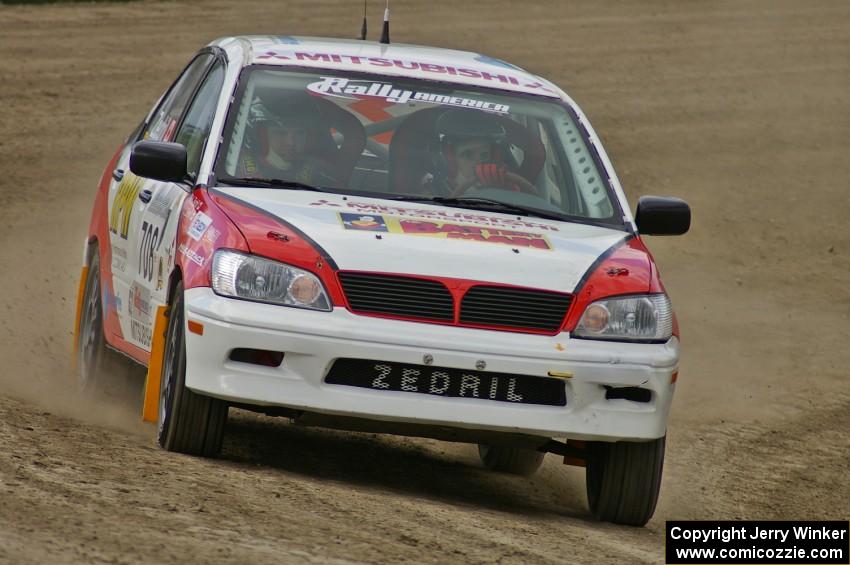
363,27
385,33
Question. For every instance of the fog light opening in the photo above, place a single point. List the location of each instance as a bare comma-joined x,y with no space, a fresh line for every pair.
261,357
633,393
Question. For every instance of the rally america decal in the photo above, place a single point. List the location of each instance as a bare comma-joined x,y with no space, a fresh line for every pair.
443,230
353,89
191,254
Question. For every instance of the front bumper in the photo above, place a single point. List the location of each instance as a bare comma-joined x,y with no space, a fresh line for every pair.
313,340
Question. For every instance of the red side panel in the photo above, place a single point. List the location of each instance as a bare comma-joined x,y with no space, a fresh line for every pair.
628,269
270,237
203,228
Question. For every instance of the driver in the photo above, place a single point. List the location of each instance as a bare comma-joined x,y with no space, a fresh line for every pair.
285,140
472,148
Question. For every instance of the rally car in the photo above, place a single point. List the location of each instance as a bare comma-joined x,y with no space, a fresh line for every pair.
388,238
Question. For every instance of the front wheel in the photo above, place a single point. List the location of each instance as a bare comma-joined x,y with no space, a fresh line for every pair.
624,480
513,460
188,422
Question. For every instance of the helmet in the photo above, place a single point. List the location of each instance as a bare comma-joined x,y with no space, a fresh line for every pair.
287,110
292,110
457,126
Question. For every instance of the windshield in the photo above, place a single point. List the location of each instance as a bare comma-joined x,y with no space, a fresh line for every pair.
411,139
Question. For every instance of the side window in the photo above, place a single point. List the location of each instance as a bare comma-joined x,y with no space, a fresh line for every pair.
165,119
196,126
553,181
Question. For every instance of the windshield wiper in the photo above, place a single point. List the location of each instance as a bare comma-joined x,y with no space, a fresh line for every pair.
477,203
271,183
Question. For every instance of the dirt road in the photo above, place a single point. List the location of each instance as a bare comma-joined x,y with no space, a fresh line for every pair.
740,108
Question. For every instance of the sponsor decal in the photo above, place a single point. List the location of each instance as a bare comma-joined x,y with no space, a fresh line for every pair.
161,267
141,332
191,254
362,223
122,205
444,230
211,235
439,383
160,207
405,64
159,275
140,302
197,204
199,225
346,88
119,259
188,214
444,381
111,301
164,128
324,202
436,214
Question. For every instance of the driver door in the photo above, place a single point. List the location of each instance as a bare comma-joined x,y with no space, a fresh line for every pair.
132,235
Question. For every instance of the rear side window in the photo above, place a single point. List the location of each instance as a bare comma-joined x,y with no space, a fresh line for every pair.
196,127
163,125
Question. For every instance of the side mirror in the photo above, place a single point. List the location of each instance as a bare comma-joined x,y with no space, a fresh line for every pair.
662,215
159,160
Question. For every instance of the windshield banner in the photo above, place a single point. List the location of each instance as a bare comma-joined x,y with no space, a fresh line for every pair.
357,89
443,230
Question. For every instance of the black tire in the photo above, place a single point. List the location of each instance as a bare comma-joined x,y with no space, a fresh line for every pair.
624,480
513,460
102,373
188,422
92,355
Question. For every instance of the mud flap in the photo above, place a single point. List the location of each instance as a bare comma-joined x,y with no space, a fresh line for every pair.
80,292
150,412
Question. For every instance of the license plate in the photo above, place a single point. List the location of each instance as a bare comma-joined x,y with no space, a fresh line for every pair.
442,381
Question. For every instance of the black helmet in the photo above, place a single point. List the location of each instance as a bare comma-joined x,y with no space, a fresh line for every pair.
289,110
457,125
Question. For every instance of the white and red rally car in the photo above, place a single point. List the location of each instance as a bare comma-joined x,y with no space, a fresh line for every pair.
388,238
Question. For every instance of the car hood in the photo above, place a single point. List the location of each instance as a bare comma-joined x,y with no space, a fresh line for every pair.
379,235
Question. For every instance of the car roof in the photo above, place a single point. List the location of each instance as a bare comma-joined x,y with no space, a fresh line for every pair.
397,59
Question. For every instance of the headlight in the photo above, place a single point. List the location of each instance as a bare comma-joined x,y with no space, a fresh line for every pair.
263,280
628,318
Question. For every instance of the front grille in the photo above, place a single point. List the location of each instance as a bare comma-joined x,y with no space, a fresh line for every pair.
398,296
514,307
